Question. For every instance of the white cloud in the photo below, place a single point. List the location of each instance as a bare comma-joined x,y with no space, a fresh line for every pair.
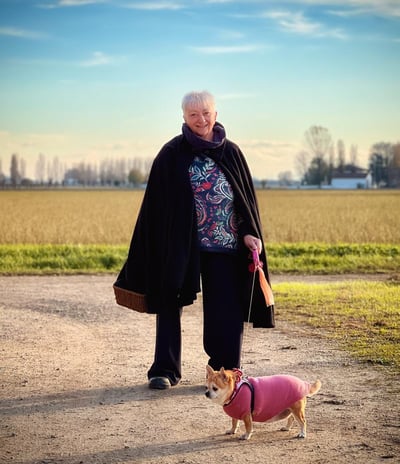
357,7
266,147
297,23
68,3
21,33
346,13
154,6
267,158
388,8
97,59
345,7
23,143
78,2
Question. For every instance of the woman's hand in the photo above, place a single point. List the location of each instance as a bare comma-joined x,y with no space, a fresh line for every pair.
252,243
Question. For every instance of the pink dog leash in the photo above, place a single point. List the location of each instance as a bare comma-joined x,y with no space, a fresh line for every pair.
257,265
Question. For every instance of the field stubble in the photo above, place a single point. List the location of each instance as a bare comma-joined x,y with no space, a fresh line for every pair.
330,216
108,216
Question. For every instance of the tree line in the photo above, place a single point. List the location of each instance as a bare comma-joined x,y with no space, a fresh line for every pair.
319,161
106,173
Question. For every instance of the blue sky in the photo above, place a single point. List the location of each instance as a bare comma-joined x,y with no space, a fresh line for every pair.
86,80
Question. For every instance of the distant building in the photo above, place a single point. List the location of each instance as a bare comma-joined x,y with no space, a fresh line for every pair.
351,177
275,184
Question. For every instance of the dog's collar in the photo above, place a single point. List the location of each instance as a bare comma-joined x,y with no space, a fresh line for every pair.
235,392
238,386
238,383
238,373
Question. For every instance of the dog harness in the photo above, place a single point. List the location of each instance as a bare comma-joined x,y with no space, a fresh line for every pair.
265,397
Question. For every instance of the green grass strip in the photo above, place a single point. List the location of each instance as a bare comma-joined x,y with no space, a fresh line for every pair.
300,258
60,259
364,317
319,258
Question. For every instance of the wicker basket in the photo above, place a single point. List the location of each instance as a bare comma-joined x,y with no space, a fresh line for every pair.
131,300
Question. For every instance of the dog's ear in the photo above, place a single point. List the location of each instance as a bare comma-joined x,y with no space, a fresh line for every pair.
224,375
209,371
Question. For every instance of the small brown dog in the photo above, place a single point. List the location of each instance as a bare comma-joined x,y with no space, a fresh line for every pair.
260,399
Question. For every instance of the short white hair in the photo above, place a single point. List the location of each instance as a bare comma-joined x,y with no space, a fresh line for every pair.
197,99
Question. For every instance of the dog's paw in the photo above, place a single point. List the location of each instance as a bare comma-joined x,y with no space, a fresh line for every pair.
231,432
284,429
246,436
301,435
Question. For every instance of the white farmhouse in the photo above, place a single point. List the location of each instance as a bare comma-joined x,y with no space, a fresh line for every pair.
360,179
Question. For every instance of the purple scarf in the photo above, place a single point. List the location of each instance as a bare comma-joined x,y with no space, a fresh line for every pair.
200,144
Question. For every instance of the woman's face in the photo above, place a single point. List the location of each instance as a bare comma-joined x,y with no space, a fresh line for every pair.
201,119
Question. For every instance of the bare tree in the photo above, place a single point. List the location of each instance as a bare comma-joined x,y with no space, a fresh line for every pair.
147,167
86,174
331,164
379,159
120,171
383,148
341,155
285,178
302,162
22,168
319,142
14,170
57,170
394,167
50,173
41,168
354,155
2,176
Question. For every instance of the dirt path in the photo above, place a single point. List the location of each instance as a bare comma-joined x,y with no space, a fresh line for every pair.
73,388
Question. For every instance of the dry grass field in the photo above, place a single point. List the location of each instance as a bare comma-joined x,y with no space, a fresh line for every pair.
331,216
108,216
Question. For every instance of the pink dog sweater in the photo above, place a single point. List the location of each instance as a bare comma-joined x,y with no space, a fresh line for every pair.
272,395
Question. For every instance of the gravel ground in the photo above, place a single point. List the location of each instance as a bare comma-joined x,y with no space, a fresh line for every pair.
73,387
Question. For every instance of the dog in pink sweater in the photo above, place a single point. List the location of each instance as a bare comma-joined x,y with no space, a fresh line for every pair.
260,399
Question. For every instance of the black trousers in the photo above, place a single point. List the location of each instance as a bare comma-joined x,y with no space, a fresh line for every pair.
223,320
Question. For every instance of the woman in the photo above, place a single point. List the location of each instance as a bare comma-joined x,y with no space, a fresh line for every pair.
199,220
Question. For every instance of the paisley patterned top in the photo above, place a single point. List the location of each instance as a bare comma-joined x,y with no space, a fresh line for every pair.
217,221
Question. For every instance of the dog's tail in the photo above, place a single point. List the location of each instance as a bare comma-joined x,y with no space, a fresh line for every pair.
314,388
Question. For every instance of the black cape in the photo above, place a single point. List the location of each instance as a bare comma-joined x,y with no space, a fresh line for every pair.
163,260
